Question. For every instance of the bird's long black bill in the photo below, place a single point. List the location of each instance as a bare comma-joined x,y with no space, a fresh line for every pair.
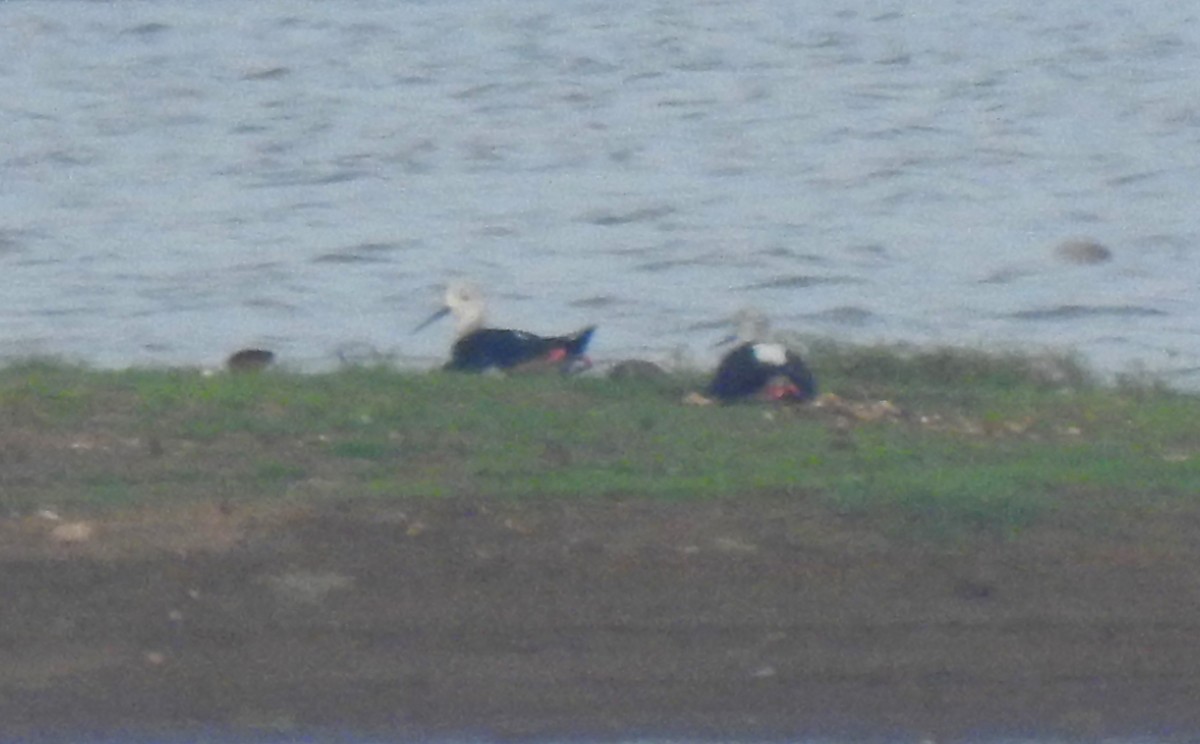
439,314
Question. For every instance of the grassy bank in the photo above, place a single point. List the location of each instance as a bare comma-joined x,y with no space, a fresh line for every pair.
970,441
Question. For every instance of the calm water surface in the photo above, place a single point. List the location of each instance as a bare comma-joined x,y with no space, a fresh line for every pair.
180,179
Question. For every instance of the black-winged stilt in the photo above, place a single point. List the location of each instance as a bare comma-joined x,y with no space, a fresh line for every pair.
478,349
758,367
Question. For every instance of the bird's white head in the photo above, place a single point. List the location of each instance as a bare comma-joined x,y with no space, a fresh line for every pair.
465,300
750,325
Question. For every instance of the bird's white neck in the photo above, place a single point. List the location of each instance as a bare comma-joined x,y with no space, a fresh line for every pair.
468,318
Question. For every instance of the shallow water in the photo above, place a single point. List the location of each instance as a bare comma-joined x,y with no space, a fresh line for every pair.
181,179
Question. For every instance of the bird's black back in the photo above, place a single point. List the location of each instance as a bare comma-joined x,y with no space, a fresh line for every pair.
742,374
502,348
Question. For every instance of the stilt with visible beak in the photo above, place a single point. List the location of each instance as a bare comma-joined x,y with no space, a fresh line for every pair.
478,348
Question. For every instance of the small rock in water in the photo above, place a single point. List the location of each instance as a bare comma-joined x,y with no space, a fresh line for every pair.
249,360
1083,251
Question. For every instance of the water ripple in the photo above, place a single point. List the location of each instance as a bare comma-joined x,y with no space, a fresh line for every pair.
1082,312
846,315
608,218
801,281
595,301
361,253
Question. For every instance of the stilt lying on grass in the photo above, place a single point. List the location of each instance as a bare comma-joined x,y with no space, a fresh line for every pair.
478,349
759,368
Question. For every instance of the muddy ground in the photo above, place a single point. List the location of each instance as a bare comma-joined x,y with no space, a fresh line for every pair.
772,618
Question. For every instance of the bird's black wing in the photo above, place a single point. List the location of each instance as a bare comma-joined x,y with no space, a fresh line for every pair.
739,375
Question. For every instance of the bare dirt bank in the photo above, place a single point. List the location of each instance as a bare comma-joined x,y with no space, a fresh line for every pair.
523,619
